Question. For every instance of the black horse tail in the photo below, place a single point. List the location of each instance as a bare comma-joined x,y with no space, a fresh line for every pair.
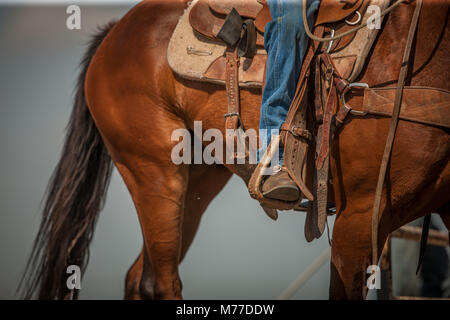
75,195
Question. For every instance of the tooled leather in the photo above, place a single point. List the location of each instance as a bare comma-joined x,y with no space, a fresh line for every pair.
317,210
232,87
326,128
338,85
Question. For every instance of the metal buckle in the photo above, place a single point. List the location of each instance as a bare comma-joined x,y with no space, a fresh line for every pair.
306,134
231,114
344,103
293,132
235,114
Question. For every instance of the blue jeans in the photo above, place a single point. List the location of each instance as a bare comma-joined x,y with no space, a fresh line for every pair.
285,41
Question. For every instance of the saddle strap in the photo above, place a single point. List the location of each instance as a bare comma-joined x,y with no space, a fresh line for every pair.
317,210
337,85
234,127
392,129
240,37
232,118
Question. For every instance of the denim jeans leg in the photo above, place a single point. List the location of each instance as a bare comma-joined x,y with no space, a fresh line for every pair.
285,41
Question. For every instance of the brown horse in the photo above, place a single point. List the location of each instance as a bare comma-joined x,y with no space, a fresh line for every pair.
129,102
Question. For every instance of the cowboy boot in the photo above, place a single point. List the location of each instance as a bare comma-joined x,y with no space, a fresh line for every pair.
280,186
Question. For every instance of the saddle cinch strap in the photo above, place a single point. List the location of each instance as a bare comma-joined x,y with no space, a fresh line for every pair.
240,37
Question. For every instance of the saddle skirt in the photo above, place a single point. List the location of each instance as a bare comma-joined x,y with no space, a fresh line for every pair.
195,53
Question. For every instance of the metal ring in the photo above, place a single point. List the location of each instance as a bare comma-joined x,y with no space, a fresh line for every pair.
292,131
352,85
357,20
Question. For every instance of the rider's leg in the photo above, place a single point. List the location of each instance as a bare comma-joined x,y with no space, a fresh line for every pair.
286,42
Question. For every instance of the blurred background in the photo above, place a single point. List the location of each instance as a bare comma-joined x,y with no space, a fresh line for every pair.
238,253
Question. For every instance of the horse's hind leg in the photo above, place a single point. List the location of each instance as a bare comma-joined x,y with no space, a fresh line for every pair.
137,132
158,189
158,194
205,182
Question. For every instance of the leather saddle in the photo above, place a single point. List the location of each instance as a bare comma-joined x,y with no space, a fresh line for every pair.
332,11
237,21
208,16
330,67
239,26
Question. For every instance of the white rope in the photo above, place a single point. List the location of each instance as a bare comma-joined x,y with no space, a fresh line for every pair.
305,275
313,37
